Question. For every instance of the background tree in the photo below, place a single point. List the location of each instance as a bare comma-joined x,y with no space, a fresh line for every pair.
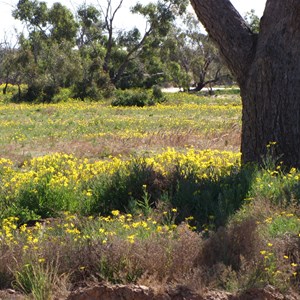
266,66
158,16
50,61
175,52
192,57
103,57
88,55
146,68
93,81
206,65
15,66
253,21
8,73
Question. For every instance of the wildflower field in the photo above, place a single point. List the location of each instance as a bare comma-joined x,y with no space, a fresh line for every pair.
152,195
97,130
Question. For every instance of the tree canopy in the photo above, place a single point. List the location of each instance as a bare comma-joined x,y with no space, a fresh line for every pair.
86,53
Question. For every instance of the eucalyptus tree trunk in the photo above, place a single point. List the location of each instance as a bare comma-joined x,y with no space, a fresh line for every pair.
267,69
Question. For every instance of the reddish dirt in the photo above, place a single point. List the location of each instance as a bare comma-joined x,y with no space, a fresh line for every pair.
136,292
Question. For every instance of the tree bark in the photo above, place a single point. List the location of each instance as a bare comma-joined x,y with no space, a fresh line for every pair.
267,69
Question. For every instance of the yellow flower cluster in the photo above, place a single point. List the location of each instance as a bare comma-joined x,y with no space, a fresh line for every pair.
62,170
71,229
67,171
205,163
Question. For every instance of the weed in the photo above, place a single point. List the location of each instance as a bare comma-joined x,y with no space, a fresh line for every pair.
39,279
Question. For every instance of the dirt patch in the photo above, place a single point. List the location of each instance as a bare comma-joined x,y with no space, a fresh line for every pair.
138,292
133,292
10,294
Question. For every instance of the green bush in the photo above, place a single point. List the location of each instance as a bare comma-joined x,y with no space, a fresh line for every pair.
210,201
131,98
63,95
138,98
283,224
40,92
39,200
158,94
125,188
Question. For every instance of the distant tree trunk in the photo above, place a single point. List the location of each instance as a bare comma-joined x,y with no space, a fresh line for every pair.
267,68
6,83
19,92
5,88
202,83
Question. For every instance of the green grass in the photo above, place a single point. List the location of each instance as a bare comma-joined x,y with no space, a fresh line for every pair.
98,129
155,216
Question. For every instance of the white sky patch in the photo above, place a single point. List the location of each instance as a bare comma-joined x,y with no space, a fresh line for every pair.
124,20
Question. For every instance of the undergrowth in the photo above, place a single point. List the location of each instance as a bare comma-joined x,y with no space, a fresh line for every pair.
162,220
176,216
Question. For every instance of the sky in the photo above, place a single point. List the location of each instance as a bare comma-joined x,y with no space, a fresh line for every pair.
124,19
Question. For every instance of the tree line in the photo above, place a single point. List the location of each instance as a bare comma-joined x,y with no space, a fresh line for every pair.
84,53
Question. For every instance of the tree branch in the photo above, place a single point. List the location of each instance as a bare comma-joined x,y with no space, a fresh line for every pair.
109,19
116,10
127,59
230,32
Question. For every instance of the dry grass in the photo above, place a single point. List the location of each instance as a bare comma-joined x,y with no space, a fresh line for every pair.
229,259
112,145
97,130
230,245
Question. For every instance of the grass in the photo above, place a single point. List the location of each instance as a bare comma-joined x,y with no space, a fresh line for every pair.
44,186
91,192
98,130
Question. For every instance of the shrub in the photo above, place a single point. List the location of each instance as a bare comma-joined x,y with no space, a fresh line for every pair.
211,201
229,245
92,90
138,98
63,95
40,92
130,98
39,200
125,188
157,93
